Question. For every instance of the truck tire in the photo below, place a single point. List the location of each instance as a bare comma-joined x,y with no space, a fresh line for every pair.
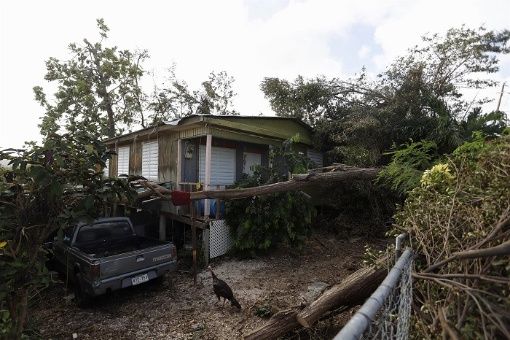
82,298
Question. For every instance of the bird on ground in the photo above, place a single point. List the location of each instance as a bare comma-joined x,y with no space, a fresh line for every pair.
222,290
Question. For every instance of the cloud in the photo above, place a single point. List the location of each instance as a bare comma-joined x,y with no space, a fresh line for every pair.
249,39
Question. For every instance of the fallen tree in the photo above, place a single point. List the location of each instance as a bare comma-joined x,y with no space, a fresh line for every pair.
353,290
336,173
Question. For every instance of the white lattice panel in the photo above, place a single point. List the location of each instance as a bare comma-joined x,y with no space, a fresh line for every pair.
220,240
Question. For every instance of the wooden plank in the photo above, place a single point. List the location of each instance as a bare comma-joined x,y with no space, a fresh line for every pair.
194,243
185,219
206,239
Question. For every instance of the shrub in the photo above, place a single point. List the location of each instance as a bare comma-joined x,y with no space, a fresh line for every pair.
461,205
404,171
259,222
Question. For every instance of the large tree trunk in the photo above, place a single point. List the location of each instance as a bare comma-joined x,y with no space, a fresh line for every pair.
353,290
298,182
279,324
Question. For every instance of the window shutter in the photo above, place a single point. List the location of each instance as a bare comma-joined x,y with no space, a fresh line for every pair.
150,160
123,161
223,165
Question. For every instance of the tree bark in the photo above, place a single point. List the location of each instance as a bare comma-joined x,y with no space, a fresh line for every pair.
298,182
279,324
353,290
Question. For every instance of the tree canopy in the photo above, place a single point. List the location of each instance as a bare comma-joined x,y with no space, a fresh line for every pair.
176,100
418,97
98,89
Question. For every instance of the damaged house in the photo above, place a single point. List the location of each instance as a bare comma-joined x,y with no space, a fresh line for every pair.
202,152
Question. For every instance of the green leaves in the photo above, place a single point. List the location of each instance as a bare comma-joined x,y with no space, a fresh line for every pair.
97,89
260,222
176,100
48,188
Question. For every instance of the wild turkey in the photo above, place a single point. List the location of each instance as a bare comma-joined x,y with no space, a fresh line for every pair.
222,290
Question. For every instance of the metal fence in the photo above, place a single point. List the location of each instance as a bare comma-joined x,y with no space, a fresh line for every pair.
386,314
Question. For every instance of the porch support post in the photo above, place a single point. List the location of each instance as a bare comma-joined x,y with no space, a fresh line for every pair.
179,165
162,227
207,184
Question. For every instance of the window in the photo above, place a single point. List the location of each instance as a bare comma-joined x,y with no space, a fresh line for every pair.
250,161
123,161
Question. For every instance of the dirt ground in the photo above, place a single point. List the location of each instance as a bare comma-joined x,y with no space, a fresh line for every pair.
176,309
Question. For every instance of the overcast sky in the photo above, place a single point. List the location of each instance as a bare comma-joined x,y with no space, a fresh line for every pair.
249,39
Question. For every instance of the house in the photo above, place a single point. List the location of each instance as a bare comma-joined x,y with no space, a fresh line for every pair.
210,152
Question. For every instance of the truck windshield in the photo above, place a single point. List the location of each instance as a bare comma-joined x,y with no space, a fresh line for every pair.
103,231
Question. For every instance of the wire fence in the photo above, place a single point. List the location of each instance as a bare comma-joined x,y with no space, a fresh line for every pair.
386,314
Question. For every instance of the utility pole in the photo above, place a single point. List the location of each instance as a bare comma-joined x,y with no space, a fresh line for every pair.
501,95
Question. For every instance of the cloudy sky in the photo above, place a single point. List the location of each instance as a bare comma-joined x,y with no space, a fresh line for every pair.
249,39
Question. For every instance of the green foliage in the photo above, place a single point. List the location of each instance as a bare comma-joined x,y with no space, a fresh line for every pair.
97,89
418,97
456,208
407,165
48,188
260,222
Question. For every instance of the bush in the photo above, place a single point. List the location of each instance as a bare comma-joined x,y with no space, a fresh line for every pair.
407,166
259,222
459,205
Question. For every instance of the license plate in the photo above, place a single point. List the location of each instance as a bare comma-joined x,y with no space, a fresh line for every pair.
139,279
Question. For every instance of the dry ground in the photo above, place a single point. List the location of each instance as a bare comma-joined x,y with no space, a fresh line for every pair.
176,309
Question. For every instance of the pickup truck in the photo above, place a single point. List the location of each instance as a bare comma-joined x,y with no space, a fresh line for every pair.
107,255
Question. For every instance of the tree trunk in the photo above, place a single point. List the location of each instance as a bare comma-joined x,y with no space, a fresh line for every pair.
298,182
353,290
279,324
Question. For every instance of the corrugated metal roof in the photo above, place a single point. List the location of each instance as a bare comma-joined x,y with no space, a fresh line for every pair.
196,118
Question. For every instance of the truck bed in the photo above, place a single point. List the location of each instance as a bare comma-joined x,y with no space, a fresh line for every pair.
111,247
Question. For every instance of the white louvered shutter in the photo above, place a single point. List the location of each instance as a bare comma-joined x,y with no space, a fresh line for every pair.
316,157
150,160
123,161
223,165
250,160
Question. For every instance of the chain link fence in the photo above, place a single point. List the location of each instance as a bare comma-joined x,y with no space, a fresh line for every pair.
386,314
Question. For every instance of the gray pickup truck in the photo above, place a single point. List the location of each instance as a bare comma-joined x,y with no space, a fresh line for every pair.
107,255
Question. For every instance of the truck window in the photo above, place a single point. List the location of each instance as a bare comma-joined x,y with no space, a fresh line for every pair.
68,235
103,231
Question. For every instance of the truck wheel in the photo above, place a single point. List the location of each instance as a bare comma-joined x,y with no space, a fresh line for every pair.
81,297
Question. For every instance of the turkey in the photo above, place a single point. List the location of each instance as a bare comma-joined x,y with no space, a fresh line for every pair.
222,290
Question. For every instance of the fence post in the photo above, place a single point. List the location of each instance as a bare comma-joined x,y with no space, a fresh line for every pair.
398,245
